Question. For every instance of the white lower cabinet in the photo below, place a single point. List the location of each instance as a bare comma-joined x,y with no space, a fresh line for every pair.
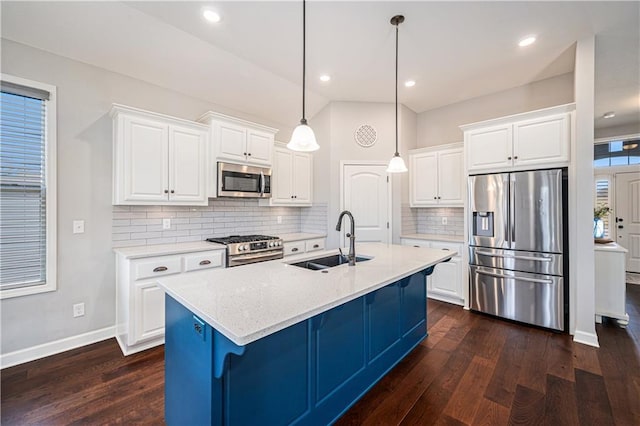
446,281
139,300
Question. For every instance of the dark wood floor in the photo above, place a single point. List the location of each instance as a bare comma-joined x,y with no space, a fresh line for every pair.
471,370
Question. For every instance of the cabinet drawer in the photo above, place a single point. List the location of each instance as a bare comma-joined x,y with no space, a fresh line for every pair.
157,267
447,246
313,245
294,247
204,260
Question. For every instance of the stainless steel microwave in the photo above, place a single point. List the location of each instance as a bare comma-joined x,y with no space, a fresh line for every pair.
235,180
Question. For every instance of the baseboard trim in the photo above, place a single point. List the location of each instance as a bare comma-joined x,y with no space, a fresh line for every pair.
590,339
51,348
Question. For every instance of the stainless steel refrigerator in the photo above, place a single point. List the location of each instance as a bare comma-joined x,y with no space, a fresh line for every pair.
518,260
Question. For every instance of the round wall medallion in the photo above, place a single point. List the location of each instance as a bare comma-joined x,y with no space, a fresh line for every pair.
366,135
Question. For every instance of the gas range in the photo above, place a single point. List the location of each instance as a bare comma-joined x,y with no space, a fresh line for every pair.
245,249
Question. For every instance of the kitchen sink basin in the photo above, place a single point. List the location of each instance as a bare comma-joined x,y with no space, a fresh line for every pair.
327,262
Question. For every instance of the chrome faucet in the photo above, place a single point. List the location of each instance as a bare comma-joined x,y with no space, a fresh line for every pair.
352,236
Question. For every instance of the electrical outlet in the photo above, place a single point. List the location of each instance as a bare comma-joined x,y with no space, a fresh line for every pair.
279,219
166,223
78,310
78,226
444,220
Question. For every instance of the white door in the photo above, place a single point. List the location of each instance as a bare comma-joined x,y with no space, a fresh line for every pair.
489,148
367,195
541,140
281,179
423,179
232,142
451,181
302,177
627,214
259,147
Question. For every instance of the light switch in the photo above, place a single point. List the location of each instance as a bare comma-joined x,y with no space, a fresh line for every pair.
78,226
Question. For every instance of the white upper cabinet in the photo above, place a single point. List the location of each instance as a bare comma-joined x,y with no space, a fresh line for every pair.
291,178
158,159
536,139
239,141
436,176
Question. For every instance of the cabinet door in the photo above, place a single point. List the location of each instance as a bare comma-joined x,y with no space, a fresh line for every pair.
301,178
148,312
541,140
187,165
231,143
146,172
423,179
259,147
281,177
489,148
451,183
445,279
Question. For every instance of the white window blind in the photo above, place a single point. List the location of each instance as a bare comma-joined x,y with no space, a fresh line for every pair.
602,196
23,192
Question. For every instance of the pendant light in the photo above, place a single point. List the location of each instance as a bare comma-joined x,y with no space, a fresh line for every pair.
396,165
303,138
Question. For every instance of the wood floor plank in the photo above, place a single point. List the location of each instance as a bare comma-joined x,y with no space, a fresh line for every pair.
534,365
502,386
560,406
586,358
490,413
528,407
592,399
464,405
559,356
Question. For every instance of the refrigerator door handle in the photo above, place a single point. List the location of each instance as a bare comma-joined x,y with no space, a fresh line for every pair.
519,278
512,210
537,259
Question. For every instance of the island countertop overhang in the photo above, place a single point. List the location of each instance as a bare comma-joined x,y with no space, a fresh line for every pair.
253,301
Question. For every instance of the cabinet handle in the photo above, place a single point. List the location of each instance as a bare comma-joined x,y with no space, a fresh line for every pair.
439,198
295,196
205,262
160,269
166,191
508,158
435,198
244,153
173,192
316,245
515,158
292,196
249,154
446,249
417,246
294,249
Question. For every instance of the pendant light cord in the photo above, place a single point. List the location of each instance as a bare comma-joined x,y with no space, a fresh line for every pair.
397,153
304,56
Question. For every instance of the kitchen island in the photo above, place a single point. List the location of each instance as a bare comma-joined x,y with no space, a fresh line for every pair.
272,343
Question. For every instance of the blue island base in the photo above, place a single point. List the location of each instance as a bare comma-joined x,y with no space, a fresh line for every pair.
309,373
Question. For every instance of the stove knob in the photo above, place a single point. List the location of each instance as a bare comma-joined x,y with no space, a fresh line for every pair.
271,244
245,247
240,248
279,243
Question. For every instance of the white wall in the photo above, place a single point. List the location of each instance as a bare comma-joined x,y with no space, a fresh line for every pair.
440,126
622,130
338,121
86,268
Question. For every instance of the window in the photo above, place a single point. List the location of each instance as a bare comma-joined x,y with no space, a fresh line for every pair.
603,197
617,153
27,187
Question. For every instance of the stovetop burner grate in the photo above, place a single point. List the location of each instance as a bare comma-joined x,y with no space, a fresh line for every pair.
234,239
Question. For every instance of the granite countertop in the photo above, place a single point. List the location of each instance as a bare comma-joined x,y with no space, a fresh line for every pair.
250,302
167,249
434,237
299,236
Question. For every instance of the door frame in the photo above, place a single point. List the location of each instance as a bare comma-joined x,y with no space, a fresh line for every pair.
345,163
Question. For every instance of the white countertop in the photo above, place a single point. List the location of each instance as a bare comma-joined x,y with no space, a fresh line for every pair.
167,249
615,247
299,236
435,237
249,302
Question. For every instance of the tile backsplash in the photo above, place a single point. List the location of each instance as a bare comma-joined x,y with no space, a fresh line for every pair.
142,225
429,221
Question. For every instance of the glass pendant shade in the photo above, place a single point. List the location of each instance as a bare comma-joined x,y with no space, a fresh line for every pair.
303,139
396,165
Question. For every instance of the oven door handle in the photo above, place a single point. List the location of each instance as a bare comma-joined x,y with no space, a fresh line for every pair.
537,259
245,259
262,184
531,280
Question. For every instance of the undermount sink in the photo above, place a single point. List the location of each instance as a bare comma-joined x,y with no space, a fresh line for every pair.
326,262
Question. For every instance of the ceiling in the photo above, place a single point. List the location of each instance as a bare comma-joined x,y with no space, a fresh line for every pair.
251,60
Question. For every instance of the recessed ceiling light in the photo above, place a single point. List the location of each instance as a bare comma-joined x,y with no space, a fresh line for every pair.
409,83
325,77
527,41
609,114
211,16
